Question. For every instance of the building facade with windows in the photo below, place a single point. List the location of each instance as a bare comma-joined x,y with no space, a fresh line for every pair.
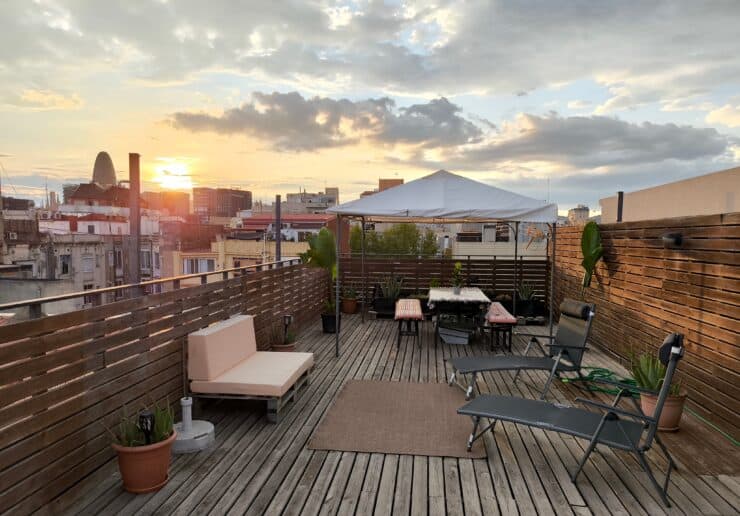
220,202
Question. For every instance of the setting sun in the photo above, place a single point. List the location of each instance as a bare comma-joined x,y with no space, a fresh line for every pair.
173,175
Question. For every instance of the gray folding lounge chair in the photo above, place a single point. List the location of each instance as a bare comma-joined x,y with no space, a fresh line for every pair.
564,355
616,428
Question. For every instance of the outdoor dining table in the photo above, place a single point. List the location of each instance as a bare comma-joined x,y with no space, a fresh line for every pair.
447,295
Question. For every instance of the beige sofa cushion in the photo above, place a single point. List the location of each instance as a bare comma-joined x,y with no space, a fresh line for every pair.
266,373
214,350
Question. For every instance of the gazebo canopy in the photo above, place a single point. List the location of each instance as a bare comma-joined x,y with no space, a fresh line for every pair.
446,197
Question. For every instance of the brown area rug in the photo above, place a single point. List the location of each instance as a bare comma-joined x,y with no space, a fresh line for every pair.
397,417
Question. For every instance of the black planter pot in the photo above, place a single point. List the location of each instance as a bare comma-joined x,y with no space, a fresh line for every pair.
329,323
384,305
525,308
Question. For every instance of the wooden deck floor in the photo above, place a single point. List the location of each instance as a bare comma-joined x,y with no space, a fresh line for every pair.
260,468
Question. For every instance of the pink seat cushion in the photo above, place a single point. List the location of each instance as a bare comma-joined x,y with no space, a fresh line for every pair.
266,373
497,314
214,350
408,309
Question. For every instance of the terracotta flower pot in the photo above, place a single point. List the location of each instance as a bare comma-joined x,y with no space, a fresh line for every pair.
284,347
349,306
670,418
144,468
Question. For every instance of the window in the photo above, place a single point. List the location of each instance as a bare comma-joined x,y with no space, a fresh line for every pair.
502,232
91,229
88,300
156,260
118,261
196,265
87,263
146,259
65,263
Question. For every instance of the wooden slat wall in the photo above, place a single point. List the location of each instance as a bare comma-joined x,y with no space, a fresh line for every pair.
62,376
644,290
488,274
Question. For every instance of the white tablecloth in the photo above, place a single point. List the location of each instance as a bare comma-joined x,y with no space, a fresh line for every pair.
466,295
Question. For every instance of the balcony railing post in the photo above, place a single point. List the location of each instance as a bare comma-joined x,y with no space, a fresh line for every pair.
34,310
203,279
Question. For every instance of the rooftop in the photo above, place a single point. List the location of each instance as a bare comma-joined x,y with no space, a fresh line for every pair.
262,468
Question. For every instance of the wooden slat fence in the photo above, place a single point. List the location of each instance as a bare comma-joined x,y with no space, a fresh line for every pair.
494,275
643,290
62,376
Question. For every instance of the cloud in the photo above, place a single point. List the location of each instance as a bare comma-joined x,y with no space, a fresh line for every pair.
44,100
294,123
579,104
458,47
728,115
582,143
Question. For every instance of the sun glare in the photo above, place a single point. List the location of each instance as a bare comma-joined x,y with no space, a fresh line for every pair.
173,175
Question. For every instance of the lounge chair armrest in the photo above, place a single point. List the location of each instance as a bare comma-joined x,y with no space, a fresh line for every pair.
583,348
625,386
616,410
535,335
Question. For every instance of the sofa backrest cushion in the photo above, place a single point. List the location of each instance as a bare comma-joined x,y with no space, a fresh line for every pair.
214,350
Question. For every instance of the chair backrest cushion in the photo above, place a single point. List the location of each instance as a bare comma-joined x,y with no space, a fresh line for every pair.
573,329
214,350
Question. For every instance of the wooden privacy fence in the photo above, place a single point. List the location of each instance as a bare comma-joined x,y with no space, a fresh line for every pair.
62,376
491,274
645,289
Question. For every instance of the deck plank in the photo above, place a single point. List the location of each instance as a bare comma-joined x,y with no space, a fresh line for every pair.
257,467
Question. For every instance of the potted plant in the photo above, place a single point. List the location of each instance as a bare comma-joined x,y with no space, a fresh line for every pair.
457,278
525,296
390,291
649,373
282,340
349,300
143,442
322,253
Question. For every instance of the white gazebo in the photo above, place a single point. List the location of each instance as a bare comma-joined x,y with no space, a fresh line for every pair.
443,197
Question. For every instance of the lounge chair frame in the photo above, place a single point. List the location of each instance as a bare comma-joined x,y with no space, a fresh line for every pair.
560,357
634,431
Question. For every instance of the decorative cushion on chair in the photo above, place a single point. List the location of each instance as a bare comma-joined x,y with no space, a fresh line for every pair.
575,308
214,350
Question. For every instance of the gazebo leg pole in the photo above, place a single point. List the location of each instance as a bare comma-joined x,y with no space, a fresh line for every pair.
552,272
338,285
516,265
363,308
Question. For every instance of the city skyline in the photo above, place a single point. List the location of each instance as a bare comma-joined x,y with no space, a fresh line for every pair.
571,103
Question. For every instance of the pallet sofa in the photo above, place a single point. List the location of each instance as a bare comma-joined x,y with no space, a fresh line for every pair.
223,362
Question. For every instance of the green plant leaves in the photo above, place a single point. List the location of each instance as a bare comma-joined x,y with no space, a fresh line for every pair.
591,249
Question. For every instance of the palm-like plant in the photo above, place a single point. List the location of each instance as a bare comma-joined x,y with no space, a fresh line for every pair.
322,253
592,250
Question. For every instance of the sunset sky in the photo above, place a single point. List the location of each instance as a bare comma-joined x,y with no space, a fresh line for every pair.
574,100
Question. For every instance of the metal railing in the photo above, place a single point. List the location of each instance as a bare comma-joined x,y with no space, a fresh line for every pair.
137,289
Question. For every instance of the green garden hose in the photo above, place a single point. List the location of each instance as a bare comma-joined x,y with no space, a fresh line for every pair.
601,373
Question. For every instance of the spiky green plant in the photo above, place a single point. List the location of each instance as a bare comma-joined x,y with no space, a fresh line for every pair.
591,249
390,287
128,432
649,373
526,291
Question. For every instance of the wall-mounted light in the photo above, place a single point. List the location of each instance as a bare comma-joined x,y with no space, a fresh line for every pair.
672,239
